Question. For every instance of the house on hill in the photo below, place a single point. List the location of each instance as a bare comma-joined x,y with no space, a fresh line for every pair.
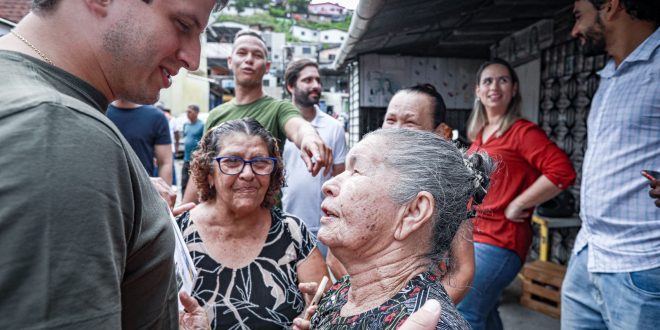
12,11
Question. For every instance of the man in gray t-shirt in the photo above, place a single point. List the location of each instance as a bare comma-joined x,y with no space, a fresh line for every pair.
86,242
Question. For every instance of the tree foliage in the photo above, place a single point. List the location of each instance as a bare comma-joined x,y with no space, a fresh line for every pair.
298,6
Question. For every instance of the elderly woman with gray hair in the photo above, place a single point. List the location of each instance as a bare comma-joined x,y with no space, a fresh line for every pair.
390,218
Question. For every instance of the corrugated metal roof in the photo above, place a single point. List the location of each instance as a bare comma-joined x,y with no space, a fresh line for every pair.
440,28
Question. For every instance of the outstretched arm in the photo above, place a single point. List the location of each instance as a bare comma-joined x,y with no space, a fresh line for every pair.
314,152
461,272
163,153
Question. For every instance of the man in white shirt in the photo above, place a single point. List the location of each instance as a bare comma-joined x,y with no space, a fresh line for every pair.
302,195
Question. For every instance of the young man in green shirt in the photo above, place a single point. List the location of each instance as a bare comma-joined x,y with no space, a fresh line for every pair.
249,62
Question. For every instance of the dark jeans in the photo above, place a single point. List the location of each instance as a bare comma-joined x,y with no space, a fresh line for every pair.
184,176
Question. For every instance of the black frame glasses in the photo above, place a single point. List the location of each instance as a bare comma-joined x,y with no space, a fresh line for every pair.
223,161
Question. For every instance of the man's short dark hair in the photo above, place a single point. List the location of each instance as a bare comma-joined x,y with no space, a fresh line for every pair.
293,70
194,107
44,5
251,33
439,108
645,10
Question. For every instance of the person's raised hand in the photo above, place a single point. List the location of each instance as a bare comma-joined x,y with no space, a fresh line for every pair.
655,191
193,317
315,154
164,190
300,323
183,208
426,318
308,290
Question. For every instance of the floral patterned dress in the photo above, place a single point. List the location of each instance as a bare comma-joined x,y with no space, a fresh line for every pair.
392,313
261,295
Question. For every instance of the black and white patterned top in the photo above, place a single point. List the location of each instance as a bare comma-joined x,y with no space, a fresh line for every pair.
392,313
261,295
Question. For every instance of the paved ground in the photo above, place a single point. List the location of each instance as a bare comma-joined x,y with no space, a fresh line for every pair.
514,316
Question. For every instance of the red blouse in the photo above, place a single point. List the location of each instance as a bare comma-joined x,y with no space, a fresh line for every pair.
522,154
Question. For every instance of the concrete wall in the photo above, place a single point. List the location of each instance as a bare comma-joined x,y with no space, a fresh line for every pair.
333,36
382,75
529,75
305,34
188,88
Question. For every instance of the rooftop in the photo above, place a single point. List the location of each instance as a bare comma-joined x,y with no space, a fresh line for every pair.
14,10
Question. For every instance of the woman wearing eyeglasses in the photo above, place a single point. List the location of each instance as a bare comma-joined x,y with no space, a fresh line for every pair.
250,256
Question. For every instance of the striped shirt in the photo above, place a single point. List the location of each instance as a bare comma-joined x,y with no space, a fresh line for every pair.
620,222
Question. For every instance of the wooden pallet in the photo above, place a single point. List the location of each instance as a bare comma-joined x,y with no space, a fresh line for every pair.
542,287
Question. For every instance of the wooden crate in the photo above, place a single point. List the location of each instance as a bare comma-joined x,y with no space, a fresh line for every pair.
542,287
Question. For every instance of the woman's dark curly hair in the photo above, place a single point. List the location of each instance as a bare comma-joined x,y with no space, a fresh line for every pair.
209,147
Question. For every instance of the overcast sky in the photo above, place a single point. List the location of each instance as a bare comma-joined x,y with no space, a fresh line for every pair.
350,4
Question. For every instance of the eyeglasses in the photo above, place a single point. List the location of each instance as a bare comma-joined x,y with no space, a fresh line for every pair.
233,165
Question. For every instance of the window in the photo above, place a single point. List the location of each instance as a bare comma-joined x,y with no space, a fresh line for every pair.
306,50
302,33
331,57
326,37
341,38
275,56
266,83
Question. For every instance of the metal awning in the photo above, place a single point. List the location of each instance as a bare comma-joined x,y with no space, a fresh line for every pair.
440,28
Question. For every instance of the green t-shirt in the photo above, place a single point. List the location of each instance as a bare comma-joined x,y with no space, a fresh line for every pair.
86,242
272,114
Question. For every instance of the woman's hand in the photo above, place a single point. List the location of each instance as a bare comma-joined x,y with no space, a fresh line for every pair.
308,290
516,212
426,318
183,208
164,190
301,324
194,317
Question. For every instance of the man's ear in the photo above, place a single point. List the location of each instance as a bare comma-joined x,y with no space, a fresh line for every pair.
611,9
443,130
229,62
414,215
289,89
99,7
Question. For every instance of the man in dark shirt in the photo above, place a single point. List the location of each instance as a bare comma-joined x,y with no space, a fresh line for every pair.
147,131
85,237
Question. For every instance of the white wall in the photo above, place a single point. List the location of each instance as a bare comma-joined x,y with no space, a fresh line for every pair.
332,36
529,75
305,34
382,75
276,41
299,51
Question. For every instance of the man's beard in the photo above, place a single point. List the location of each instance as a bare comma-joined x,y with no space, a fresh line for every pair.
594,43
303,98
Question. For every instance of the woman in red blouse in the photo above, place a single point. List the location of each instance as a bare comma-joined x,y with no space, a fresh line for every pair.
531,169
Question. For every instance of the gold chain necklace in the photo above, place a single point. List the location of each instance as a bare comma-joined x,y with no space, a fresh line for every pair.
31,46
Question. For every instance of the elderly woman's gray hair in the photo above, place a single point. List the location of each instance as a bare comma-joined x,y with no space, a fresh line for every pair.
423,161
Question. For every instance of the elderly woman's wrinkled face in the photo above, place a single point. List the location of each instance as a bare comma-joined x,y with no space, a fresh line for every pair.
245,191
358,213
